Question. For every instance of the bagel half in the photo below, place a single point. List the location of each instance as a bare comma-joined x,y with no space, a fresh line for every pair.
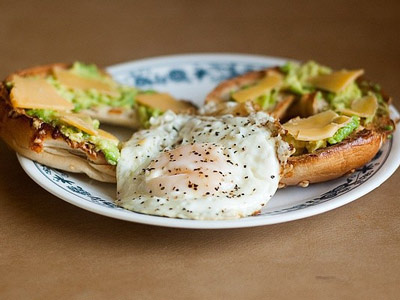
323,164
44,143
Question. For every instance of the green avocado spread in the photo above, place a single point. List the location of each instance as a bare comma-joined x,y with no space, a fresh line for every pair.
311,146
296,81
345,131
109,148
297,76
86,99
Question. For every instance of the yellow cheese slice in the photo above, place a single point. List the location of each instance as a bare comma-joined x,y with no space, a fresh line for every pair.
163,102
336,81
363,107
80,121
74,81
85,123
317,127
106,135
271,81
36,93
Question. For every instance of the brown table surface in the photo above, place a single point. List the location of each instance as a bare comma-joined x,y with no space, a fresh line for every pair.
50,249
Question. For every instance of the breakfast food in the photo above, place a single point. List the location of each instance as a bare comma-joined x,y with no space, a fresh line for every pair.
291,125
336,120
200,167
50,114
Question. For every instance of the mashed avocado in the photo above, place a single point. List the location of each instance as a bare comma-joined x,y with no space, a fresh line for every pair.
302,147
268,100
343,99
85,99
108,147
311,146
145,113
46,115
345,131
297,75
87,71
295,80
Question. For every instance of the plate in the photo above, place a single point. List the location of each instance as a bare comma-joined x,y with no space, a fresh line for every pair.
192,77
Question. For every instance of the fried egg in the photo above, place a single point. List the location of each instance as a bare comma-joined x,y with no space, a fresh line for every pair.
201,167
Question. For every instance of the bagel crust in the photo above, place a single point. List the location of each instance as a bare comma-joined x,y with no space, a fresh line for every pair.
324,164
333,161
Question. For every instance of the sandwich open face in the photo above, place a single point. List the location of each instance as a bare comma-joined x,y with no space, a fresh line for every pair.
51,114
335,120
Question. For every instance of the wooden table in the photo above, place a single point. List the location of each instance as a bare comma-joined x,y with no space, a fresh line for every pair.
50,249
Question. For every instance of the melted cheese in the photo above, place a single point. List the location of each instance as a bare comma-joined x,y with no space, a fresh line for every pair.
36,93
163,102
106,135
74,81
85,123
317,127
363,107
336,81
271,81
80,121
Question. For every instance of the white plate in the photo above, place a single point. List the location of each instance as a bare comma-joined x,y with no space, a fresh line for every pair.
192,77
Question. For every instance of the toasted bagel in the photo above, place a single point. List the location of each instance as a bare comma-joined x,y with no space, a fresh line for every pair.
329,162
44,143
333,161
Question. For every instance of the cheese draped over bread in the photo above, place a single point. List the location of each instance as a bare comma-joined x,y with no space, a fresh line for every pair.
74,81
271,81
80,121
363,107
36,93
337,81
317,127
106,135
163,102
86,124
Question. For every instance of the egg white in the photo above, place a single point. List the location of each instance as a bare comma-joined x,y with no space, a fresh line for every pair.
238,156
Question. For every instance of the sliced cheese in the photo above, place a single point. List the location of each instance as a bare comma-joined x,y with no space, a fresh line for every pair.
85,123
163,102
271,81
74,81
80,121
106,135
317,127
363,107
36,93
336,81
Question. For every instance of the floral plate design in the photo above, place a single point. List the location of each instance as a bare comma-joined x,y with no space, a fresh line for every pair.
191,77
